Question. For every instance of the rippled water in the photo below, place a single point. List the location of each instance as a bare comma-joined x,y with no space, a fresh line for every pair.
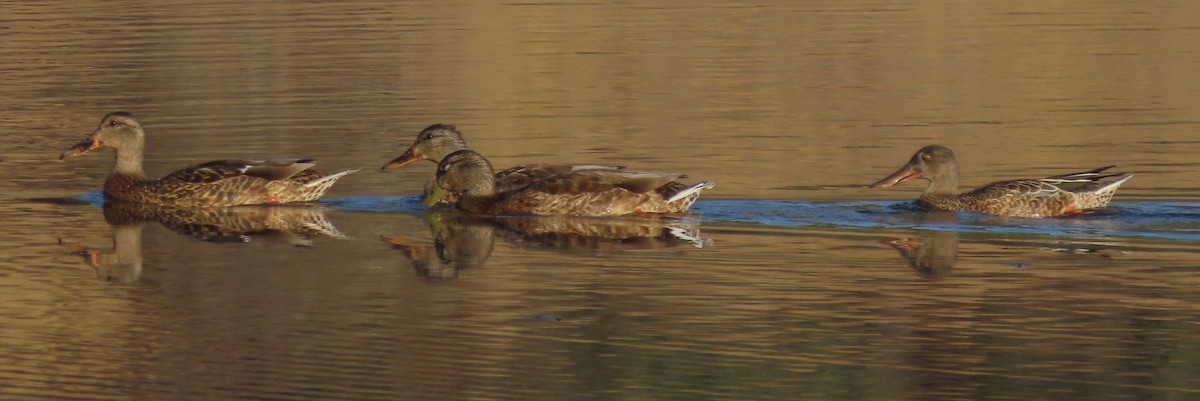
791,280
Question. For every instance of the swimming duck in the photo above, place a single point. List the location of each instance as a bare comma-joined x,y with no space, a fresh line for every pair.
212,184
1058,195
586,192
437,141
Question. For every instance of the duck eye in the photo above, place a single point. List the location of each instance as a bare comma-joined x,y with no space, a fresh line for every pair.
113,123
926,157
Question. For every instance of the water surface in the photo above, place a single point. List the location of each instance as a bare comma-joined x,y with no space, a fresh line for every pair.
791,280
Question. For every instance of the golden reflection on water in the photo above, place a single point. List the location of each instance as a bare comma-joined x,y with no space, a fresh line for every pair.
772,100
817,310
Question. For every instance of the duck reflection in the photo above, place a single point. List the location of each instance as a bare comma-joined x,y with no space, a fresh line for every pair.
600,235
123,263
932,254
289,225
462,241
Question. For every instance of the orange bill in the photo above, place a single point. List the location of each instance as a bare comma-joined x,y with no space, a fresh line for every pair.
905,173
410,156
82,148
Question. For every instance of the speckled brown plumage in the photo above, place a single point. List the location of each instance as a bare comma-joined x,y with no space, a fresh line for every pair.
1045,197
437,141
213,184
585,192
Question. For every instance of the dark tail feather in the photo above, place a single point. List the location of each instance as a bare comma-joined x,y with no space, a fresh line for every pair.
1090,175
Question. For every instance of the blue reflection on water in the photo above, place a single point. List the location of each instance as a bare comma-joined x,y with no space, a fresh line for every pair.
1160,220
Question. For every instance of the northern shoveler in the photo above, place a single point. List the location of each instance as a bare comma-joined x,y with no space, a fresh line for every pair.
1046,197
437,141
212,184
582,192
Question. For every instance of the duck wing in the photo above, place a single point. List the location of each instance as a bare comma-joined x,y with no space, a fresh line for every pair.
218,170
601,180
1084,181
519,177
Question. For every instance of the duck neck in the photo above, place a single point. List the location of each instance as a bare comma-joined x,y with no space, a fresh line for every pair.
943,186
129,162
127,175
941,194
478,198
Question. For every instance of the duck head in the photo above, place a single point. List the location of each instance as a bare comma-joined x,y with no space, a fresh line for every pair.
935,163
433,143
466,173
118,130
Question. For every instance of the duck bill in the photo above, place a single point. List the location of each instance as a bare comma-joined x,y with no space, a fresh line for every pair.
905,173
81,148
435,195
401,242
405,159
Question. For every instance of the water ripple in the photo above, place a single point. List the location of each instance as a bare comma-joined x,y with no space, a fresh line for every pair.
1160,220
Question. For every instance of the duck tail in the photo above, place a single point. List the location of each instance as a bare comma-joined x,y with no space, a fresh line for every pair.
688,191
1083,176
327,181
1098,194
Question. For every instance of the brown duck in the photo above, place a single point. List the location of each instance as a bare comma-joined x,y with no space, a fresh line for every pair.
437,141
216,183
1058,195
586,192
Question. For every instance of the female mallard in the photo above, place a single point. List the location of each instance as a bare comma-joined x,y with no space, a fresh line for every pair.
437,141
1046,197
582,192
216,183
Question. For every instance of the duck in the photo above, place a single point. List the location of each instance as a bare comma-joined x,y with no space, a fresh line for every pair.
220,183
469,176
1059,195
437,141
